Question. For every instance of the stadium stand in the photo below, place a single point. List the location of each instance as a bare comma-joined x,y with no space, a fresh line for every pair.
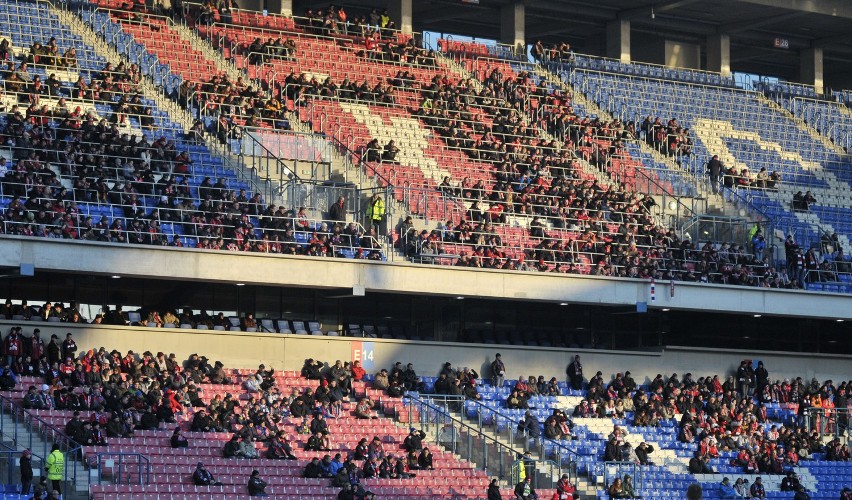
521,175
132,175
739,425
503,213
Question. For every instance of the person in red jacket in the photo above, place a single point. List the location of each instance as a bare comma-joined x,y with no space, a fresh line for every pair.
357,372
13,346
565,490
36,347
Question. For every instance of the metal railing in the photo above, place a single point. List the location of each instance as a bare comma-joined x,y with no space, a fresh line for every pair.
828,422
124,468
24,429
619,470
159,74
436,417
9,465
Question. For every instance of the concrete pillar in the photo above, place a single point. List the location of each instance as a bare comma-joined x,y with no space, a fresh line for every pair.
283,7
513,26
402,12
618,40
719,54
811,68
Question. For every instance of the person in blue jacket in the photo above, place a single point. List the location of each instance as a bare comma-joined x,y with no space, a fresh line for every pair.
726,490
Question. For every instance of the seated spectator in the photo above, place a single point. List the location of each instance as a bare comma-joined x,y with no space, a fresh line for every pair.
565,490
414,440
529,426
741,488
616,489
311,369
364,409
256,485
319,441
312,470
178,440
726,490
790,482
757,490
642,453
424,460
279,448
627,487
203,477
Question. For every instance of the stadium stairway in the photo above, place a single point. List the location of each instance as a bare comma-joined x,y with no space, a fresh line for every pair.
342,170
453,478
586,486
86,31
38,443
711,132
715,205
802,124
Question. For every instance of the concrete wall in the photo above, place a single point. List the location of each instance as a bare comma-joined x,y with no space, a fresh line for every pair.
402,277
682,55
288,352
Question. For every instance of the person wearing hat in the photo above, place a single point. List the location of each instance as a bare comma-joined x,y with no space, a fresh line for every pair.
26,465
256,485
414,440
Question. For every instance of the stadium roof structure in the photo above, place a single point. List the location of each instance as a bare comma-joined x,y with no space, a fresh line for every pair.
754,27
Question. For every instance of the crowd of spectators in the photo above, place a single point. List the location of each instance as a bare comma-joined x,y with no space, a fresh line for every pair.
127,392
234,104
146,181
561,52
335,21
146,316
336,382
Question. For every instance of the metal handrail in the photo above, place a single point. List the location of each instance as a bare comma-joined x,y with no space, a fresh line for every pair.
831,422
47,432
106,460
444,413
483,410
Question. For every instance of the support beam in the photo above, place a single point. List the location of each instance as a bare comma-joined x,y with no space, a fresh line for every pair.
402,13
719,54
645,11
618,40
513,26
811,68
752,24
283,7
833,8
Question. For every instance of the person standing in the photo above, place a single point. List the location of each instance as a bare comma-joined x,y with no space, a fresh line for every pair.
26,466
69,347
55,466
575,373
376,213
337,212
498,371
714,170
